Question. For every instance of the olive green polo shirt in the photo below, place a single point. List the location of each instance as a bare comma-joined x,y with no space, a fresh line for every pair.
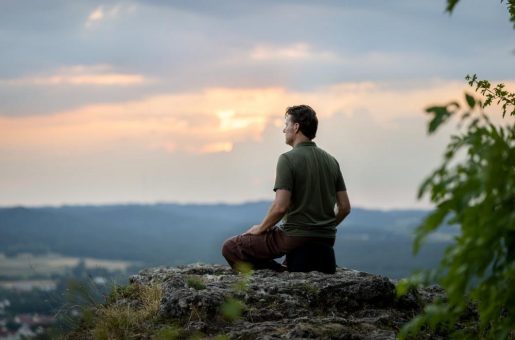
313,177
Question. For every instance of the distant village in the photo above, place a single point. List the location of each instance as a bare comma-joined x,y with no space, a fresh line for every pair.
33,307
22,326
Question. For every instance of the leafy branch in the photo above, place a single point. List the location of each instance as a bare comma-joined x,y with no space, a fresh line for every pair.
498,93
477,194
510,4
442,113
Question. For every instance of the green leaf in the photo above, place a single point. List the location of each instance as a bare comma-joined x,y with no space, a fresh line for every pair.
402,287
474,188
232,309
440,116
412,327
450,5
471,101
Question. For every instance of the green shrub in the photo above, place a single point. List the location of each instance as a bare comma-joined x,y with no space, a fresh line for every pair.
129,312
476,193
196,282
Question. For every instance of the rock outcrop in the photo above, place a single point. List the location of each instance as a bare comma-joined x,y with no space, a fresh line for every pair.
212,300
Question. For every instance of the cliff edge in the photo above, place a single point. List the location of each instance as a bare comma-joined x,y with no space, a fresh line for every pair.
210,301
346,305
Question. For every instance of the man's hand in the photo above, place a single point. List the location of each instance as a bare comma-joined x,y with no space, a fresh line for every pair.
256,229
276,212
342,208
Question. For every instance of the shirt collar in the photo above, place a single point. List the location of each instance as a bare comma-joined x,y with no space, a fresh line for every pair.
308,143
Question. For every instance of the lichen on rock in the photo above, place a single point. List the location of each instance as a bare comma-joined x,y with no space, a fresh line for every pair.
346,305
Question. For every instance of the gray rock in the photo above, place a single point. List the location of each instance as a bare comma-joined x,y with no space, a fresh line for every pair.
345,305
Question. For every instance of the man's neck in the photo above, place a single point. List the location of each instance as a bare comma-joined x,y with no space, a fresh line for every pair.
300,139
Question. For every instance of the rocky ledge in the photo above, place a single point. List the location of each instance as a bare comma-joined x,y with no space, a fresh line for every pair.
211,300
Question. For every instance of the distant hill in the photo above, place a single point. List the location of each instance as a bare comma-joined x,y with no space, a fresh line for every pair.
171,234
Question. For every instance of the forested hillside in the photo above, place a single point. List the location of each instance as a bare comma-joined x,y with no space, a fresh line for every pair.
172,234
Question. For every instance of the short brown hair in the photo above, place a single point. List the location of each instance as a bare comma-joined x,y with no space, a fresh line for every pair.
306,117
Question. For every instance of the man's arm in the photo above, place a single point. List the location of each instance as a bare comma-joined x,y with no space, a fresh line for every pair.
275,213
342,208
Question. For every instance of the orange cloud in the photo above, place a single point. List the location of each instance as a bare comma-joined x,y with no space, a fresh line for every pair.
193,122
97,75
213,120
214,148
101,13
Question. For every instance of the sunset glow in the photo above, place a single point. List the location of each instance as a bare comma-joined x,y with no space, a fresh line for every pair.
209,121
185,101
100,75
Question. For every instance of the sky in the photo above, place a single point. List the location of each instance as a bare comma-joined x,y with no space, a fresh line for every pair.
105,102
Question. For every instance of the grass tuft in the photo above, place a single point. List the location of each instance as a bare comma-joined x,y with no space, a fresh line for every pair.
128,313
127,320
196,282
232,309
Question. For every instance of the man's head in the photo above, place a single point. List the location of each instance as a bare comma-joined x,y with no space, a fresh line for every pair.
300,119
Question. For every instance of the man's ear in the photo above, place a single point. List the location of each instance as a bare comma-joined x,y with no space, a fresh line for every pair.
296,127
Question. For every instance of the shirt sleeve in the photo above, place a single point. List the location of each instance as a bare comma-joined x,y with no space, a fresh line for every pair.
340,183
283,174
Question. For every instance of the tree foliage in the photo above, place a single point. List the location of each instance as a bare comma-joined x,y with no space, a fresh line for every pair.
510,4
474,189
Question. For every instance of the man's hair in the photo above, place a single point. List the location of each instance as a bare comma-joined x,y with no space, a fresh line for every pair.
306,117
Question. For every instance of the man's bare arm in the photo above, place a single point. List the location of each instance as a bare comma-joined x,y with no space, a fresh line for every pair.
342,208
276,212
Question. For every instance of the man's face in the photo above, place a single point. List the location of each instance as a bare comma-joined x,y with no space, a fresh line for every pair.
289,130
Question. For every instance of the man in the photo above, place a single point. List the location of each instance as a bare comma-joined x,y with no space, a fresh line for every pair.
310,197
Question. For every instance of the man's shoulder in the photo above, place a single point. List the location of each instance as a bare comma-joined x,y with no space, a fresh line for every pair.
331,157
322,151
296,155
318,150
295,152
292,156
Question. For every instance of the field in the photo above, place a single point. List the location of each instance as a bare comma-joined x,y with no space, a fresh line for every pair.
28,265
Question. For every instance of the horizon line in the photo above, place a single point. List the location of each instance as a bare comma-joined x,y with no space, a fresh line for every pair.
135,203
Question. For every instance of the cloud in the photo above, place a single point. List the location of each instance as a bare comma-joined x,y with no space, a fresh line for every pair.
216,119
189,49
226,72
221,144
96,15
229,120
215,147
96,75
202,122
102,13
297,51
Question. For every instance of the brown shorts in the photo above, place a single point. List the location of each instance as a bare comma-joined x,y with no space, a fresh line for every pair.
261,250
